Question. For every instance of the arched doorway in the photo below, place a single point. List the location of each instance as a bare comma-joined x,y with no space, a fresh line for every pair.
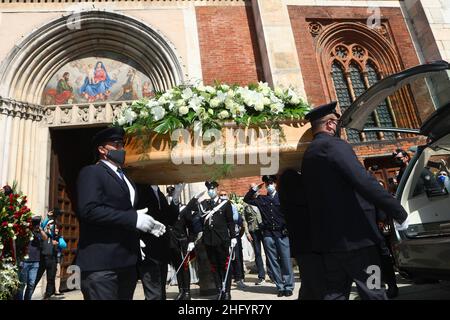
78,76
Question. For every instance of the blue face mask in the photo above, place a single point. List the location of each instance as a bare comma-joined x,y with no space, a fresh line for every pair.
212,193
270,188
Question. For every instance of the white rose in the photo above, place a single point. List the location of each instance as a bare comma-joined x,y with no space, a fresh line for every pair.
259,107
1,246
179,103
224,114
229,103
214,103
183,110
230,93
14,237
152,104
266,101
225,87
10,225
158,113
264,87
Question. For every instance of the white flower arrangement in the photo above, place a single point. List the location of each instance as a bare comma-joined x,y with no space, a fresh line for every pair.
9,279
182,106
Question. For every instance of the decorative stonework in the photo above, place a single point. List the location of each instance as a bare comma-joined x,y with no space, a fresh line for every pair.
315,28
21,110
83,114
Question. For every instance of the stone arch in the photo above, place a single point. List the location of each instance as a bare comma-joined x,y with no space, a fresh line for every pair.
29,67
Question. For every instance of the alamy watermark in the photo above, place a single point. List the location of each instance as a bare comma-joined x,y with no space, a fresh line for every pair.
233,146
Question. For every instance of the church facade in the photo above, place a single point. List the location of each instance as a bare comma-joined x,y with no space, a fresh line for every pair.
68,67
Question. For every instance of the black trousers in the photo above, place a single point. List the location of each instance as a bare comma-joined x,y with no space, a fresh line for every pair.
183,276
344,268
153,274
238,263
47,264
387,266
312,271
117,284
218,257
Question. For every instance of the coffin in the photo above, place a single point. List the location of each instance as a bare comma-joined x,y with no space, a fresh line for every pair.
234,152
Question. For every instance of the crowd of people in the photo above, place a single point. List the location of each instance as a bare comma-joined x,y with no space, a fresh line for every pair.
44,256
334,230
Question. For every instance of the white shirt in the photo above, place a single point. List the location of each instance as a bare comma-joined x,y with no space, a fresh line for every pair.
130,186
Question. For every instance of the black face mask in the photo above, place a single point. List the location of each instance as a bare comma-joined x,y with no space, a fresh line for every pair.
117,156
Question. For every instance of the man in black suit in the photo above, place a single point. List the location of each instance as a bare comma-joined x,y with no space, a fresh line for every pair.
153,267
108,247
342,198
219,236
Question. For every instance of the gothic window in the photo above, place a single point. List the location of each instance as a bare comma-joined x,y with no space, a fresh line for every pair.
352,73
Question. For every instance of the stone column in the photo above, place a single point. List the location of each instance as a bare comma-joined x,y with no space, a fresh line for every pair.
19,161
277,44
430,22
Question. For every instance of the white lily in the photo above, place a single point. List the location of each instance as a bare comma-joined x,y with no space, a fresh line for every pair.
129,116
187,93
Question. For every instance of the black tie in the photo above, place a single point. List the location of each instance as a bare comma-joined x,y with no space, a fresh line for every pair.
120,171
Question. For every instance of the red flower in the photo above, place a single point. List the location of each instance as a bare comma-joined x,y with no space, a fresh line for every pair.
5,224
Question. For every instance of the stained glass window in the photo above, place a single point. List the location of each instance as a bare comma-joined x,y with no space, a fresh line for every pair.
343,96
384,116
357,83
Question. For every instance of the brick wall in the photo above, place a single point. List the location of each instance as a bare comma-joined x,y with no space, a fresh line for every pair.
228,45
229,53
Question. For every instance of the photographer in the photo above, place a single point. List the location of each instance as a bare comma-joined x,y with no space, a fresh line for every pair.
30,266
49,256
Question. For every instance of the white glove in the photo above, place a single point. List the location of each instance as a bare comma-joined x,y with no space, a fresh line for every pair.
157,228
142,245
143,222
199,194
233,242
402,227
146,223
190,246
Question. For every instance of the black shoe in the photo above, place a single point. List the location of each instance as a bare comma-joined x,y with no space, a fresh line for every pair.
280,293
187,296
392,292
287,293
59,294
227,296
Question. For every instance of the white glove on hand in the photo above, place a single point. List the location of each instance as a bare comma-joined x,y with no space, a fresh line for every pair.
142,245
143,222
199,194
233,242
190,246
157,228
402,227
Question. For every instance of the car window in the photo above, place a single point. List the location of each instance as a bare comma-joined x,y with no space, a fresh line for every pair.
434,175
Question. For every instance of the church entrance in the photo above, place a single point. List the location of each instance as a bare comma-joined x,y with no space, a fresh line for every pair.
70,151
